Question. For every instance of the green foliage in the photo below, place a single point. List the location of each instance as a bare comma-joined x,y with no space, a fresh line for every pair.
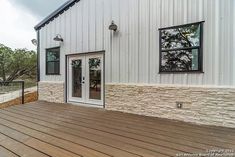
17,63
94,63
5,58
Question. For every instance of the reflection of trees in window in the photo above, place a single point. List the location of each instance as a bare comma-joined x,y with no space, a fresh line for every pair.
76,63
53,61
181,37
52,56
95,69
94,63
95,78
77,71
180,48
77,78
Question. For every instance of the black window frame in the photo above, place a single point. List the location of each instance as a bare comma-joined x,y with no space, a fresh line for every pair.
200,49
47,51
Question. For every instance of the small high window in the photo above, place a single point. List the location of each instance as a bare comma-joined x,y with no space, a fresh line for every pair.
181,48
53,61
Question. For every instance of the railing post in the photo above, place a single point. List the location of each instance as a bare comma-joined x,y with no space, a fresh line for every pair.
22,92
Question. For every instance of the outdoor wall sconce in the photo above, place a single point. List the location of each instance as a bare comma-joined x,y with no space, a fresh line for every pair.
58,38
34,42
113,27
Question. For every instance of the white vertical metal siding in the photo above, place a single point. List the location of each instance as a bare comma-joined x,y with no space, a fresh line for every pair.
132,53
233,41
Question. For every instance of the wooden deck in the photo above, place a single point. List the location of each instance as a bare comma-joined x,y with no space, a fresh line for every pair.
43,129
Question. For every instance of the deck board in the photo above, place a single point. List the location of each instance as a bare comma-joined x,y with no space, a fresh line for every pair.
162,130
17,146
62,130
4,152
148,138
114,142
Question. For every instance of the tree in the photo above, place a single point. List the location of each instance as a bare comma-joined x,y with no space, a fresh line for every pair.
5,57
16,63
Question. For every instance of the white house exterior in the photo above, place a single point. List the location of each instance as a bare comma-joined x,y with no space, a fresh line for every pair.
128,76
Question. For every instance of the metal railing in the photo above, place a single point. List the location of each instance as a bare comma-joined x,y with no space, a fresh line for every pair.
10,91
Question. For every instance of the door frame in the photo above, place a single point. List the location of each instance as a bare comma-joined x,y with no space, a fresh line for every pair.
67,68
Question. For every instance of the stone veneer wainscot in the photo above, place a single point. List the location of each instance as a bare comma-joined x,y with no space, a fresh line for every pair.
201,105
51,91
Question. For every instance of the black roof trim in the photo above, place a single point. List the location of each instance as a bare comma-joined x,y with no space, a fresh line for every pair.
56,13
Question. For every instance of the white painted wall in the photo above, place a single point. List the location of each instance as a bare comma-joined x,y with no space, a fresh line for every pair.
132,54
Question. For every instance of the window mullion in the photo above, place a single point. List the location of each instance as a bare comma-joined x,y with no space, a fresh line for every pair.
183,48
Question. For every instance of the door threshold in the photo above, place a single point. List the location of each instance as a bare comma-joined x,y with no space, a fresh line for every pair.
85,104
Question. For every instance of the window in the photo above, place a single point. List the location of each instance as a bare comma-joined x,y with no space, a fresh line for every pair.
53,61
181,48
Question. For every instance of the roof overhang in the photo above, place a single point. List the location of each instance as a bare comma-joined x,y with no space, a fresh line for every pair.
56,13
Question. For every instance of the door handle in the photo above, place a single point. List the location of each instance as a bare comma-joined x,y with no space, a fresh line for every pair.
83,78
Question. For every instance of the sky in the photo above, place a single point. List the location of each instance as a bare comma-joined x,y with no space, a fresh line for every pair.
18,18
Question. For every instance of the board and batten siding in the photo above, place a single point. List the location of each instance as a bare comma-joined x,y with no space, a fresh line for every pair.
132,53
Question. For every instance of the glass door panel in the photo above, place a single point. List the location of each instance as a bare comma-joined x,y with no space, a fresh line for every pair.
95,78
77,78
76,83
